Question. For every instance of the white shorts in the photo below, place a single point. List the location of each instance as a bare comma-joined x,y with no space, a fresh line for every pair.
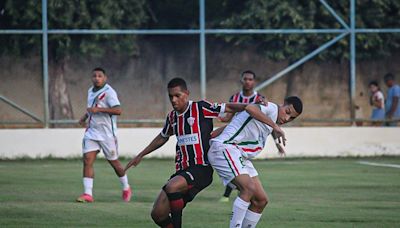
229,163
109,147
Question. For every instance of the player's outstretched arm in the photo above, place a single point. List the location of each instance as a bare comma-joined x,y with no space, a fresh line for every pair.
256,113
157,142
112,111
234,107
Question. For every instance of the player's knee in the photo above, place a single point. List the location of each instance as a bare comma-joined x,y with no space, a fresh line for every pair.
173,187
87,161
260,202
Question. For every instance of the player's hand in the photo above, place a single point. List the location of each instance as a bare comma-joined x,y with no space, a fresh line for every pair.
134,162
280,135
82,122
93,110
281,149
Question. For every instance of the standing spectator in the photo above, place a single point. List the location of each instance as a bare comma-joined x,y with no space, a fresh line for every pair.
377,101
392,106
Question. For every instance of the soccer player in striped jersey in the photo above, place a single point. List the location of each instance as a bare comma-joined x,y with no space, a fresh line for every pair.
102,108
248,96
242,139
191,122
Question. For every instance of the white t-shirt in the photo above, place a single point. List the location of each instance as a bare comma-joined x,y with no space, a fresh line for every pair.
102,126
248,134
379,96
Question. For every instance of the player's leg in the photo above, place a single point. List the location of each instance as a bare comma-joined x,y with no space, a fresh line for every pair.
258,203
110,150
90,150
227,161
161,210
175,190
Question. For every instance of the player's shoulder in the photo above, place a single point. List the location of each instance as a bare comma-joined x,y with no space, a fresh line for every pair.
203,103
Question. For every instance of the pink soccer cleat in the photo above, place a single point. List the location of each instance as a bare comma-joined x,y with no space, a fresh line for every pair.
85,198
127,194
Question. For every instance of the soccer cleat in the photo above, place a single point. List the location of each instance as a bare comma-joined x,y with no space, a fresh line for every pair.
127,194
85,198
224,199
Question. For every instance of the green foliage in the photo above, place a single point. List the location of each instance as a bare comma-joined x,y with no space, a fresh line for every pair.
76,14
261,14
254,14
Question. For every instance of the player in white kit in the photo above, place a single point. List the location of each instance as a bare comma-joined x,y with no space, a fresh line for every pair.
231,152
102,108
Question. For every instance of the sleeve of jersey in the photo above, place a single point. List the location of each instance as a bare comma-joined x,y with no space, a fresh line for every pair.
269,110
167,129
213,110
231,99
112,99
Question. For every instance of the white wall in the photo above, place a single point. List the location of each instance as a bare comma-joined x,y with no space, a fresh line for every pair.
302,142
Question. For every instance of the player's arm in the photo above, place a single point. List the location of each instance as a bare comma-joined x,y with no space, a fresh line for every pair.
116,110
157,142
227,118
217,131
234,107
255,112
281,149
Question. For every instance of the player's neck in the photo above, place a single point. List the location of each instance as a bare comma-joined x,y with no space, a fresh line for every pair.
184,109
97,88
247,93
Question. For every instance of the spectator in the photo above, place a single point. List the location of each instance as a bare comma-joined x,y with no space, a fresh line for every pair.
392,106
377,101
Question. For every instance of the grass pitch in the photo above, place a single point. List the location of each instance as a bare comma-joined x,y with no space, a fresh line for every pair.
302,192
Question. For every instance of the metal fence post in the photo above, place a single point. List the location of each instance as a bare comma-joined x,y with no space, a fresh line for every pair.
202,50
45,62
352,60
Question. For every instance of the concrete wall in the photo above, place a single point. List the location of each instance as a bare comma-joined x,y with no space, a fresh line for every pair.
302,142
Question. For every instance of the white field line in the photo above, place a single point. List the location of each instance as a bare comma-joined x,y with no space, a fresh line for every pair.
379,164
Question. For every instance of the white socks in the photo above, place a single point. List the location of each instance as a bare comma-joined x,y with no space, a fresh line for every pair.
251,219
238,212
124,182
88,185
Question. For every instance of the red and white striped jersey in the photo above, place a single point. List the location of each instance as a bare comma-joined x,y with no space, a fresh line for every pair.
192,129
240,98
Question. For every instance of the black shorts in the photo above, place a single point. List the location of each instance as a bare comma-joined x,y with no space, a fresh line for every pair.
198,177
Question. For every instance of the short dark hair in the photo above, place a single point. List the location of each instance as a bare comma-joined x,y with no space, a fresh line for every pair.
388,76
177,82
99,69
248,72
374,82
296,102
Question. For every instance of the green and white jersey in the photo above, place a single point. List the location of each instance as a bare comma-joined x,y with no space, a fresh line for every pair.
102,126
248,134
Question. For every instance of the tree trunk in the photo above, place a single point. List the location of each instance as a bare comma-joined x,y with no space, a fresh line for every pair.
60,103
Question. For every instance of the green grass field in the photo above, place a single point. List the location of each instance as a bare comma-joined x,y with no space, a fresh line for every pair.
303,193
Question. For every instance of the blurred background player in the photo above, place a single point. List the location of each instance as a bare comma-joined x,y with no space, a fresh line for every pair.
377,101
248,96
102,108
241,140
392,106
191,122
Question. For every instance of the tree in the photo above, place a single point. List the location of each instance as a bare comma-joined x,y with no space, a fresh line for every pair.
74,14
260,14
